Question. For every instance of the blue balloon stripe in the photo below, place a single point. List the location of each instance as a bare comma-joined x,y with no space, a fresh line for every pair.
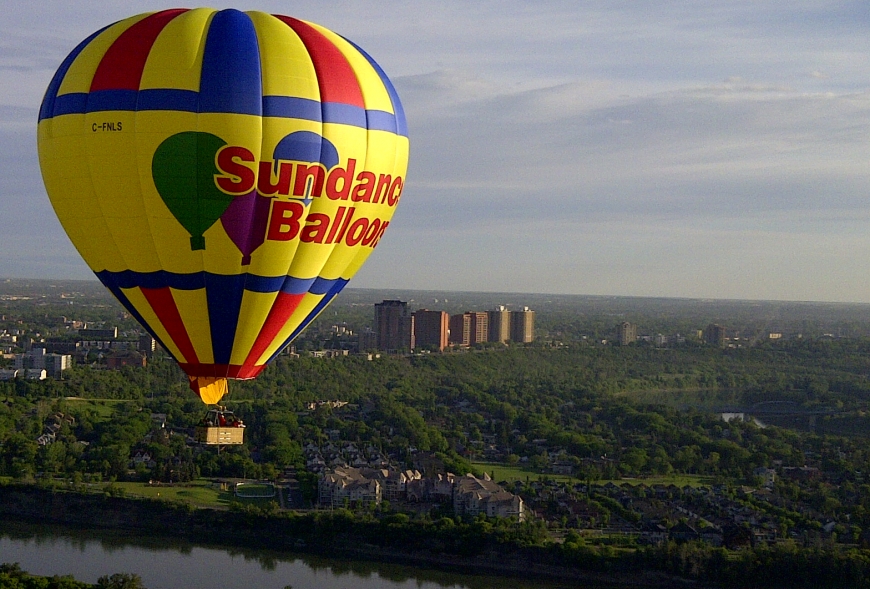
291,107
163,99
200,280
297,286
379,120
285,107
343,114
230,79
104,100
68,104
401,123
224,297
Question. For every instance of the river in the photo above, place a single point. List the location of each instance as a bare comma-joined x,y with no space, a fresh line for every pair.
170,564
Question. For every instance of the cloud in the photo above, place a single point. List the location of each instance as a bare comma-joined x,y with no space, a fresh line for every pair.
550,142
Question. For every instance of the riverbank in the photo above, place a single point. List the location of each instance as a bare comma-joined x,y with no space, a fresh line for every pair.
331,534
494,548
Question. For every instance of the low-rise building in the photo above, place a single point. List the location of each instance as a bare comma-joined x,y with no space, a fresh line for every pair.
473,496
347,484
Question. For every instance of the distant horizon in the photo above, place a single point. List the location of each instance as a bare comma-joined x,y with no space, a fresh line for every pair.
350,287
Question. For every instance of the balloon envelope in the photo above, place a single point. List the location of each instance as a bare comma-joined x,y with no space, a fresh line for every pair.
224,174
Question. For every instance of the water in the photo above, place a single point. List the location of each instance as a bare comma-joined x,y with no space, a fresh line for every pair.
170,564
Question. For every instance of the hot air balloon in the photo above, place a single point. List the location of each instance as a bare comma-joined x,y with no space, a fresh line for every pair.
224,174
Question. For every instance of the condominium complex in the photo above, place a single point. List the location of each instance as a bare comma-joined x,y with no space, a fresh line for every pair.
398,329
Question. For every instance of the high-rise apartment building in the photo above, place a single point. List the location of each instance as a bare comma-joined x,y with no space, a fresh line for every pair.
626,333
147,345
715,335
368,340
499,325
523,325
479,327
460,329
431,329
394,326
469,328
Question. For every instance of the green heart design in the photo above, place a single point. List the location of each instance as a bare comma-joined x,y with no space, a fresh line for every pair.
183,169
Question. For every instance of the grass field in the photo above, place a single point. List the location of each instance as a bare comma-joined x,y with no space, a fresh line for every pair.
255,490
201,493
506,472
102,408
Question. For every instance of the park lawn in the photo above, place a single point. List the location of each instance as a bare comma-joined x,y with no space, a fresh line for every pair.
680,480
256,491
507,472
103,408
200,493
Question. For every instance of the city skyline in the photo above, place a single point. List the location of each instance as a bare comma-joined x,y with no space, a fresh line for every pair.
698,151
395,327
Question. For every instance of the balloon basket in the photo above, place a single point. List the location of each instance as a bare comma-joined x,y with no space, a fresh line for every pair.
219,428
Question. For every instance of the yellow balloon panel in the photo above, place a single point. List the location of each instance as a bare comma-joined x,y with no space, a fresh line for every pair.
287,66
175,59
191,308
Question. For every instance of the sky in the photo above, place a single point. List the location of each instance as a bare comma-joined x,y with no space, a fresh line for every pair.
716,149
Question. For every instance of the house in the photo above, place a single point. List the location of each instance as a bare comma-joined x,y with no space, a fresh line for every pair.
33,374
767,475
143,457
46,439
711,536
563,467
735,537
584,512
683,532
653,533
803,473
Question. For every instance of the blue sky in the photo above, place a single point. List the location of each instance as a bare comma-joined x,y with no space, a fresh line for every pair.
715,149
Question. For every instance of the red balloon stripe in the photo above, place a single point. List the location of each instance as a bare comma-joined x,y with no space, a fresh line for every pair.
335,77
122,65
164,307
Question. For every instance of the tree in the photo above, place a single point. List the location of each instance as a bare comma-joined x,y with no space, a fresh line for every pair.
120,581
